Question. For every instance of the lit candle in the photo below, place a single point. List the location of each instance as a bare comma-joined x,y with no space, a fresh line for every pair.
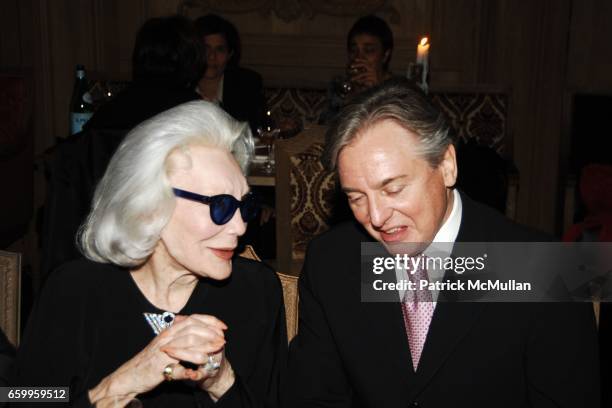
423,52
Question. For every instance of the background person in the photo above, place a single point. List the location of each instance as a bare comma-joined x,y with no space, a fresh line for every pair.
166,64
237,90
161,310
369,47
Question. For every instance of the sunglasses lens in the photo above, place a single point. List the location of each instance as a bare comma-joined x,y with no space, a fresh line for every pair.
222,208
249,208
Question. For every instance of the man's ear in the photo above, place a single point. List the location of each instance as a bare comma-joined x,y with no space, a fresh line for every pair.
448,166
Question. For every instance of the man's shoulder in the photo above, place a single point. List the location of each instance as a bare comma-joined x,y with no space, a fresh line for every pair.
485,224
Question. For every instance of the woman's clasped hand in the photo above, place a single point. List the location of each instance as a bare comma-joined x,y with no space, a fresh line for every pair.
192,339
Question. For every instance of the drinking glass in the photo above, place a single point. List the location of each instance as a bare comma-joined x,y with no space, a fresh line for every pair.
267,137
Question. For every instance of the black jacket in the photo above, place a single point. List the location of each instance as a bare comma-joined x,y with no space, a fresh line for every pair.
243,96
350,353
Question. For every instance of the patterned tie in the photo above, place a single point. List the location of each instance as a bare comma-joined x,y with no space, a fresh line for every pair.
418,309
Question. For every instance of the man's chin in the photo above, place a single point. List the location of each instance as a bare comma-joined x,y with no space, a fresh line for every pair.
405,248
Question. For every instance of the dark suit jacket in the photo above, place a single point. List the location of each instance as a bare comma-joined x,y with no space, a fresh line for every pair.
348,353
243,96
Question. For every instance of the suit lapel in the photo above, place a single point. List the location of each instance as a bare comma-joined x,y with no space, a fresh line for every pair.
450,323
452,320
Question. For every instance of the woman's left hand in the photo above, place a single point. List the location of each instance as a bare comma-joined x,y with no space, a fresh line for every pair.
214,378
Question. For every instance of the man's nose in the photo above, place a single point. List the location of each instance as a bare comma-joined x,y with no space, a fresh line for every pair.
379,211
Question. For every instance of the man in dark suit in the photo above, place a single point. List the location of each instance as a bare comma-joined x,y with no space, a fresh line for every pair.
396,162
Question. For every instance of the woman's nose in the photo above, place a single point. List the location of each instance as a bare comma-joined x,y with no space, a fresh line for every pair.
237,225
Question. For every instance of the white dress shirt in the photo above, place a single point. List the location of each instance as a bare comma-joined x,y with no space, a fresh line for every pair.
441,246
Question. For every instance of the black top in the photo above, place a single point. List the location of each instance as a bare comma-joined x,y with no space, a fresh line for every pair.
139,101
89,321
243,96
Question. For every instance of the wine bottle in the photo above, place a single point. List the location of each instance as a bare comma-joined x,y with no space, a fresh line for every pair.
81,108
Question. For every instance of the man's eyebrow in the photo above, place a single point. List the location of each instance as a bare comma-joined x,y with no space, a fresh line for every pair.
390,180
380,185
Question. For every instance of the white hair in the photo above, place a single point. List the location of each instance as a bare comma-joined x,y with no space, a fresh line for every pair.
134,200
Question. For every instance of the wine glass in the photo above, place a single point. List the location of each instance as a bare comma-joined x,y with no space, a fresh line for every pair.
346,85
267,137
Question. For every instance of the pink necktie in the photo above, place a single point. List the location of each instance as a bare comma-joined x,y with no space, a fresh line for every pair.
418,309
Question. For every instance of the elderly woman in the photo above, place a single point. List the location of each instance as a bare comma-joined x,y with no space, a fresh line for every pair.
161,310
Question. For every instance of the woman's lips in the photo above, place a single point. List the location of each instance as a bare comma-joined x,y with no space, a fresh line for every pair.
394,234
226,254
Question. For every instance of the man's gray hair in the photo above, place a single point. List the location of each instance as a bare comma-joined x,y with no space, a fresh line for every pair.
134,200
395,100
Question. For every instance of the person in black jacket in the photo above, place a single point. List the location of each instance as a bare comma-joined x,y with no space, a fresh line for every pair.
395,159
161,310
238,90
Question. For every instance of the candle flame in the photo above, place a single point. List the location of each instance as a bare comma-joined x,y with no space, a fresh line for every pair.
424,41
268,113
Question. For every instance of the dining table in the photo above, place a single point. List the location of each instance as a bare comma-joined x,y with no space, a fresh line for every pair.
258,176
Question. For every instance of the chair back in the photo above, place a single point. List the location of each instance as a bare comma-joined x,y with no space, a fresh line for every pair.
295,108
305,196
291,298
10,295
290,293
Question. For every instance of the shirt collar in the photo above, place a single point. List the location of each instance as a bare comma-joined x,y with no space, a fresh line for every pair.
450,228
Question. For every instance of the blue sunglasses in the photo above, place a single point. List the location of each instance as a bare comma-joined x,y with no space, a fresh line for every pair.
224,206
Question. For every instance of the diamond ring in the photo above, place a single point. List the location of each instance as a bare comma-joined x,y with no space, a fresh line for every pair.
212,365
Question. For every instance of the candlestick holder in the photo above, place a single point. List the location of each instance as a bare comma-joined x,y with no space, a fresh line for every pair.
419,73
